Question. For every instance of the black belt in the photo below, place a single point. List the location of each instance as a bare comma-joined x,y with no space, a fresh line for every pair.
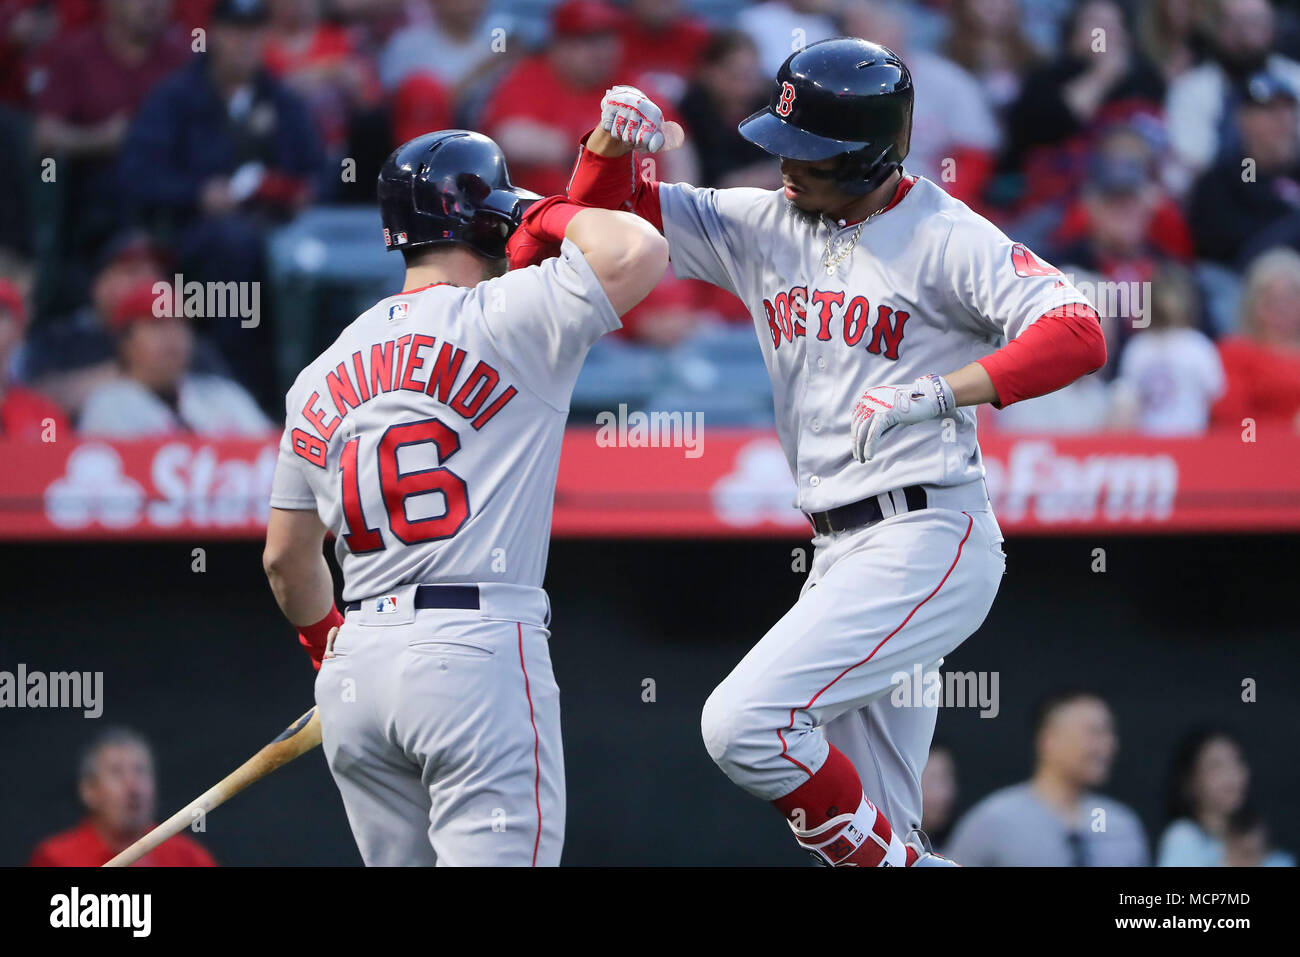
865,512
433,596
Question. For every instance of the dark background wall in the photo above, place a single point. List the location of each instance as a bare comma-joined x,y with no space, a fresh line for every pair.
204,666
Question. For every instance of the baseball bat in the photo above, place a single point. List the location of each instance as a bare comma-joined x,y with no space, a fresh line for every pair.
299,738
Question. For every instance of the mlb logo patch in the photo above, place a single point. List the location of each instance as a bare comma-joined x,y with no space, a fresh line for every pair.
386,605
401,238
398,310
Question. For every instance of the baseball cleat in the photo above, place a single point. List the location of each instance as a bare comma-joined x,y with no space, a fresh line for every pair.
919,841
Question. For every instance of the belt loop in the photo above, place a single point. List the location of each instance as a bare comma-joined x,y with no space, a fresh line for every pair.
886,504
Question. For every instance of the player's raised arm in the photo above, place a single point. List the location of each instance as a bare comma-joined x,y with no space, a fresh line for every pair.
627,255
604,175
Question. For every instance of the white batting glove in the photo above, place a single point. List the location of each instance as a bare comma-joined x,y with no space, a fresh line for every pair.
629,115
882,407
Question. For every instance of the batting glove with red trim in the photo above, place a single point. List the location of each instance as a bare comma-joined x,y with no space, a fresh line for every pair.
629,115
882,407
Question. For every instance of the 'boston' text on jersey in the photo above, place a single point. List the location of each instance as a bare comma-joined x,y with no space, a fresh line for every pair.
787,315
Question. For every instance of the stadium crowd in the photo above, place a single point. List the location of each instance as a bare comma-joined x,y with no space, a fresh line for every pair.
1151,150
1057,818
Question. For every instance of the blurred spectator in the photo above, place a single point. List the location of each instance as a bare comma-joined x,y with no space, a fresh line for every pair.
676,309
156,393
939,795
1247,843
1202,101
987,39
86,90
547,103
728,87
1099,76
459,45
779,27
420,105
1167,32
662,45
1055,819
68,357
218,153
1237,212
96,77
24,415
1262,360
319,61
116,785
1208,782
954,133
25,27
1170,371
1132,143
1120,202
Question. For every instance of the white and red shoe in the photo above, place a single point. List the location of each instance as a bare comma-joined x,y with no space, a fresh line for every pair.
920,853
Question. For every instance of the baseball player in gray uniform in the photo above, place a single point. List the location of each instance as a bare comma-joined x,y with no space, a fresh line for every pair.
427,440
885,311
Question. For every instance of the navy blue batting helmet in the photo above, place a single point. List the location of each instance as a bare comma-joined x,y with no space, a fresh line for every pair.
844,97
450,187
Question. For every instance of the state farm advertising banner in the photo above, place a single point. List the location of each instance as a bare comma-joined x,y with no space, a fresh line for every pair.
735,483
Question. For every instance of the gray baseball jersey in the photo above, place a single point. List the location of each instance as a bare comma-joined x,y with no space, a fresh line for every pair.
428,435
928,287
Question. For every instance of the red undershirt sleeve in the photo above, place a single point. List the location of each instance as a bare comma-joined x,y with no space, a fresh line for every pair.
610,182
1061,346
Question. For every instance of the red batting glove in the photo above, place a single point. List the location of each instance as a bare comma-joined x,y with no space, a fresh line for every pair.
315,637
539,234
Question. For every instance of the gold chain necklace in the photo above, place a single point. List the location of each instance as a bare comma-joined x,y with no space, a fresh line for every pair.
843,250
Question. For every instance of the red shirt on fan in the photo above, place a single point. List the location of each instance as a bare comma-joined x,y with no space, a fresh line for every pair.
1263,383
534,91
675,49
23,414
86,84
82,846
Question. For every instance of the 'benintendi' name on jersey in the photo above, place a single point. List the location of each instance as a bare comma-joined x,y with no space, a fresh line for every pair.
427,436
926,287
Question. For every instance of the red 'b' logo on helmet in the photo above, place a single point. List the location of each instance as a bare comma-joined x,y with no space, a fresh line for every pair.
786,103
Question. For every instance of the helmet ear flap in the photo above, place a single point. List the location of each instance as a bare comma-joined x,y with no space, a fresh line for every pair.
451,186
860,173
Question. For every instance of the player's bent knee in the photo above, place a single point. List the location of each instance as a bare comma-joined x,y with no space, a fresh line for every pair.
718,727
736,734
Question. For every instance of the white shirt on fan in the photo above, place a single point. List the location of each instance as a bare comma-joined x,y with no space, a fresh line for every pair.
1175,376
206,405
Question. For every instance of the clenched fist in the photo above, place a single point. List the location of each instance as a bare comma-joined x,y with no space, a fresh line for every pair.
882,407
629,115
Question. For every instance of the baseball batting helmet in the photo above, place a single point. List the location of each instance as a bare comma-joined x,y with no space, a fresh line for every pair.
450,187
843,97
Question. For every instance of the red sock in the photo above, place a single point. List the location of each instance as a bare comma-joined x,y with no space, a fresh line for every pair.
840,827
834,790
